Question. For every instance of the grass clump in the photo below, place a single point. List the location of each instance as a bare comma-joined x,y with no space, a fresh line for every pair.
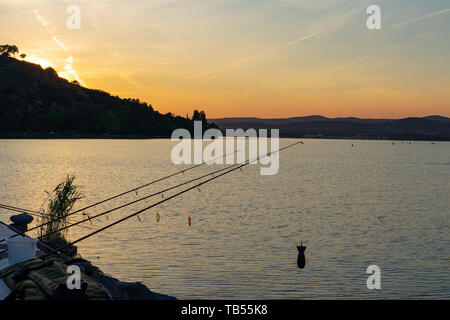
54,214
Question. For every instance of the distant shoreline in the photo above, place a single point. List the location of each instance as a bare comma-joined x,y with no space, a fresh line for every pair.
43,136
25,136
429,128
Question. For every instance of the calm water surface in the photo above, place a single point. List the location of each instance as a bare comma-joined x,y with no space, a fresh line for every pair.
374,203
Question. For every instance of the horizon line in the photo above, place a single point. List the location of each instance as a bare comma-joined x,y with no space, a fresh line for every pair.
318,115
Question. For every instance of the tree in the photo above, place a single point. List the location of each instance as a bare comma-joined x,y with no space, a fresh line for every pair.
23,56
199,116
196,115
7,50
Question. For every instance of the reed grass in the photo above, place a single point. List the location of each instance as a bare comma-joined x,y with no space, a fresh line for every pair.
55,209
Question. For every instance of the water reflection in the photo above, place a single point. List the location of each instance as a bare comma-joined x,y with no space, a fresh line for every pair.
375,203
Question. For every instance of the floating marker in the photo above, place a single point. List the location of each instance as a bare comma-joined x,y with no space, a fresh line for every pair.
136,193
99,202
157,217
229,170
301,260
88,217
162,195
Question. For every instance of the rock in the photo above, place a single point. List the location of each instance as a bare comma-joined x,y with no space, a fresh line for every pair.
119,290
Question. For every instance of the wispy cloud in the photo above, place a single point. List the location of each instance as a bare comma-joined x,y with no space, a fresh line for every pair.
245,93
349,63
68,70
41,19
127,78
239,61
59,43
290,43
421,18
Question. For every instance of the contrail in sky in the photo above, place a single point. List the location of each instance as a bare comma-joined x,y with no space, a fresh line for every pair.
287,44
59,43
421,18
68,66
248,58
41,18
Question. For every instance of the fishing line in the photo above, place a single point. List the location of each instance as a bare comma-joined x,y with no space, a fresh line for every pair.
147,197
121,194
16,209
162,201
130,203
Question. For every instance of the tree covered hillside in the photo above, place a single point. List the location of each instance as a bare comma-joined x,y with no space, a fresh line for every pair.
36,101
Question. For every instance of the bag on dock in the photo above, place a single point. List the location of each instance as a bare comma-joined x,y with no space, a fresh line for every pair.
39,279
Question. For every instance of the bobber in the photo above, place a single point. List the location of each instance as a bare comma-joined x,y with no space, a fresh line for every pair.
301,260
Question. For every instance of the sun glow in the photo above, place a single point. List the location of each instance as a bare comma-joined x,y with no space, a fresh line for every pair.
283,55
69,72
42,62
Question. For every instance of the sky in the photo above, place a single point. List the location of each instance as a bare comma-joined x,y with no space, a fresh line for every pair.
240,58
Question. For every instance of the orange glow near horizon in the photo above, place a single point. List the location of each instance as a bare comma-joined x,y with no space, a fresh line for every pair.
271,60
40,61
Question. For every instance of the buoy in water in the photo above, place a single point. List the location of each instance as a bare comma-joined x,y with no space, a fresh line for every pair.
301,256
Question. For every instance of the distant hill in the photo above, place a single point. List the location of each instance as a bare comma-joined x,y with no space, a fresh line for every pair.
438,118
427,128
36,102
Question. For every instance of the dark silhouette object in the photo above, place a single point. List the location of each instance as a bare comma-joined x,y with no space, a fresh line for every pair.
8,50
21,221
62,292
301,256
53,107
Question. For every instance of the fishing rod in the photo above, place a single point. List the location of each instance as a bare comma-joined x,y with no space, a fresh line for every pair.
17,209
130,203
119,195
135,201
162,201
89,218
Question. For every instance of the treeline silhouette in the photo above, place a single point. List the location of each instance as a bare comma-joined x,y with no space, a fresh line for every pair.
37,102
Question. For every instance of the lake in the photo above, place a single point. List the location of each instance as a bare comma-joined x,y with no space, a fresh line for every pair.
373,203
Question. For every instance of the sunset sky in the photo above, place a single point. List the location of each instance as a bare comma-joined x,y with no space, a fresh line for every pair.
272,58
